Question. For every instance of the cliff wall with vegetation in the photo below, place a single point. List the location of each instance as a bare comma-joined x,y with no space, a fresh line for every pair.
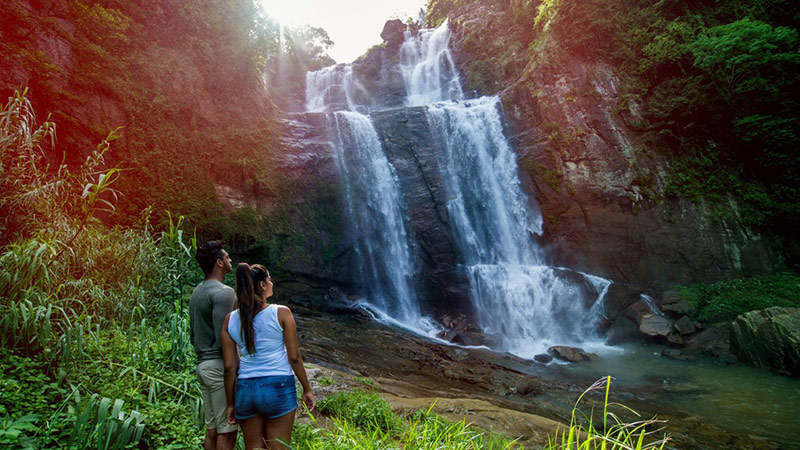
193,89
658,135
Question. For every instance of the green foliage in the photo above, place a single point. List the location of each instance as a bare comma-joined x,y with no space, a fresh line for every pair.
187,81
427,430
103,425
737,54
423,430
326,381
85,309
726,300
611,432
363,410
12,431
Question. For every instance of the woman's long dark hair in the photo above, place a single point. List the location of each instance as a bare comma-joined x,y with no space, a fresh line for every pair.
248,299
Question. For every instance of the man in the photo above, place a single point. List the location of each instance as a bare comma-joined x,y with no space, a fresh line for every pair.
211,301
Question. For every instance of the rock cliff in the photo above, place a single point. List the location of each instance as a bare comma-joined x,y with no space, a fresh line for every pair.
600,177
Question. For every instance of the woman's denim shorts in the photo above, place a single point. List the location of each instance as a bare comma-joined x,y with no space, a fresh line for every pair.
272,396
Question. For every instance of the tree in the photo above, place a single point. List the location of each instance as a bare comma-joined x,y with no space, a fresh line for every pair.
744,56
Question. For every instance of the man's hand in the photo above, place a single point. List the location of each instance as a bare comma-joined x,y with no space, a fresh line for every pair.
231,416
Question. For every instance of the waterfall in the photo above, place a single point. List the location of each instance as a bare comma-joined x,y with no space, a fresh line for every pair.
373,201
374,204
334,88
651,304
428,69
516,295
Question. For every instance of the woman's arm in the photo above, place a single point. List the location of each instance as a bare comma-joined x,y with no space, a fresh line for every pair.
230,358
286,319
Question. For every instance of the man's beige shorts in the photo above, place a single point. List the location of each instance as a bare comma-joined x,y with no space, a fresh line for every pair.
212,382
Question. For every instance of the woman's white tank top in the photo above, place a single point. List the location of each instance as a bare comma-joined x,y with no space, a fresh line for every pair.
270,356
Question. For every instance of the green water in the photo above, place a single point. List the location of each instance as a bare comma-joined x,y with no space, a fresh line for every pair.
735,397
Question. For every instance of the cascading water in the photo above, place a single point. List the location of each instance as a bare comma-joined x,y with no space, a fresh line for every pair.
385,257
373,201
530,305
333,88
428,69
516,295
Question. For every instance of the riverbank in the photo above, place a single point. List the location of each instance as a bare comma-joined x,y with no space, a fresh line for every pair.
498,391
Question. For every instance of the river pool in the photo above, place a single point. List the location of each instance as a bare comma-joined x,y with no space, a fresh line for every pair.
735,397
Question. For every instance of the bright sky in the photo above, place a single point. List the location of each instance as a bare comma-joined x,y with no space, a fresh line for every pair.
353,25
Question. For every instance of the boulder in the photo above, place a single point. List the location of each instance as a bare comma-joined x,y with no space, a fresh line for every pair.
685,326
618,298
543,358
769,338
337,295
712,341
637,310
393,32
672,301
654,325
676,339
571,354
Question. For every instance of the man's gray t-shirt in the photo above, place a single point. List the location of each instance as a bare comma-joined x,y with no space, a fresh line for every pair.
211,301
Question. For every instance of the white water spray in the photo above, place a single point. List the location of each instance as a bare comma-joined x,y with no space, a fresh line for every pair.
516,295
334,88
428,69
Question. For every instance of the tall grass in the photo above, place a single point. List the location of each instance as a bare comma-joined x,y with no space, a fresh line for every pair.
612,433
89,305
364,421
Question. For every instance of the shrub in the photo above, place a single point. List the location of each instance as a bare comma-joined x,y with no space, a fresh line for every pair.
726,300
363,410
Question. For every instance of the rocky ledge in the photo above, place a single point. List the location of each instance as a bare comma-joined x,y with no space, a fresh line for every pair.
769,338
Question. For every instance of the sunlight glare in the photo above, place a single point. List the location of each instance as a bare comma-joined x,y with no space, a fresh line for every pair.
353,25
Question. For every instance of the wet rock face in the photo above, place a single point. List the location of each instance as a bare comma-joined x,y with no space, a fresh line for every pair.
672,301
412,150
600,187
769,338
319,246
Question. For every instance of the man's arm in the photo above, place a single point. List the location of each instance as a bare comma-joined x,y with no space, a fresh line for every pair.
222,304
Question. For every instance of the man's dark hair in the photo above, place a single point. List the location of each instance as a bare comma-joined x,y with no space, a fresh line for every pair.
208,254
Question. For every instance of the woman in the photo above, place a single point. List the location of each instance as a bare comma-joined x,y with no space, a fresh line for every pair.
265,336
